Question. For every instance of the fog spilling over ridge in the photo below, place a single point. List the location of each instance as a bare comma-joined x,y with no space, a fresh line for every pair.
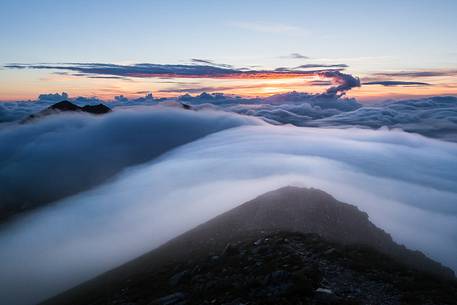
77,151
228,152
407,183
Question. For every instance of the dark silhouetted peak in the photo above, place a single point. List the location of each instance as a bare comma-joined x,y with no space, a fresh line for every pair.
96,109
69,106
66,106
295,209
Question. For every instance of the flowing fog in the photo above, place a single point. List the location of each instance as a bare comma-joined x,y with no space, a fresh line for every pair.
75,152
406,183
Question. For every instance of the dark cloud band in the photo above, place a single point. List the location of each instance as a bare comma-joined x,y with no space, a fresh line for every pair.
202,68
425,73
392,83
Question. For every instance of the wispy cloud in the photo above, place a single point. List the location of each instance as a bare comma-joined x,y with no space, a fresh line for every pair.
272,28
307,66
208,88
147,70
419,73
319,83
392,83
199,61
294,56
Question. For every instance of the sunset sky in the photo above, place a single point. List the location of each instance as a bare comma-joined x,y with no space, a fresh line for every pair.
126,123
248,48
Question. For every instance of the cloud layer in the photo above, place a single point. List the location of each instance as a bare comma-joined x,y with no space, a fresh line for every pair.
407,183
76,151
434,117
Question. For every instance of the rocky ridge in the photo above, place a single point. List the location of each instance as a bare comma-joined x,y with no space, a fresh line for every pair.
289,246
66,106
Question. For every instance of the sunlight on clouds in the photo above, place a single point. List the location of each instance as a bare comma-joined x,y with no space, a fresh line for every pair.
27,84
376,93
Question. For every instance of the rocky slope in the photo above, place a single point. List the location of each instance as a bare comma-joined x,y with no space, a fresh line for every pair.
290,246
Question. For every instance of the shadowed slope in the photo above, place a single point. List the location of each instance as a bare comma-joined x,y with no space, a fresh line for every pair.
288,209
308,211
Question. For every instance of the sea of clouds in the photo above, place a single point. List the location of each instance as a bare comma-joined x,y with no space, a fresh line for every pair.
432,116
192,166
64,154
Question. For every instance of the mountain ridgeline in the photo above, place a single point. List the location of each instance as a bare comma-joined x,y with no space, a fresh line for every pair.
289,246
66,106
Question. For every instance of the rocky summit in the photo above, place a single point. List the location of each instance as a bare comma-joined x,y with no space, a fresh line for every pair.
252,255
289,268
66,106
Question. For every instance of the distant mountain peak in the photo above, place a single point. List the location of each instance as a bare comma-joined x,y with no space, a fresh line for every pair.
64,106
67,106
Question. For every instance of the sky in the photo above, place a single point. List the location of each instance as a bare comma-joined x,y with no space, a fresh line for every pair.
398,49
367,51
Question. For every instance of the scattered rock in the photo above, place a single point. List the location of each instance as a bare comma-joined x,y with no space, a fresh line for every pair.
329,251
178,278
323,290
177,298
229,250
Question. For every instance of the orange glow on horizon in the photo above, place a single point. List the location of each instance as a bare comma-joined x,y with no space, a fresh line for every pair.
16,87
